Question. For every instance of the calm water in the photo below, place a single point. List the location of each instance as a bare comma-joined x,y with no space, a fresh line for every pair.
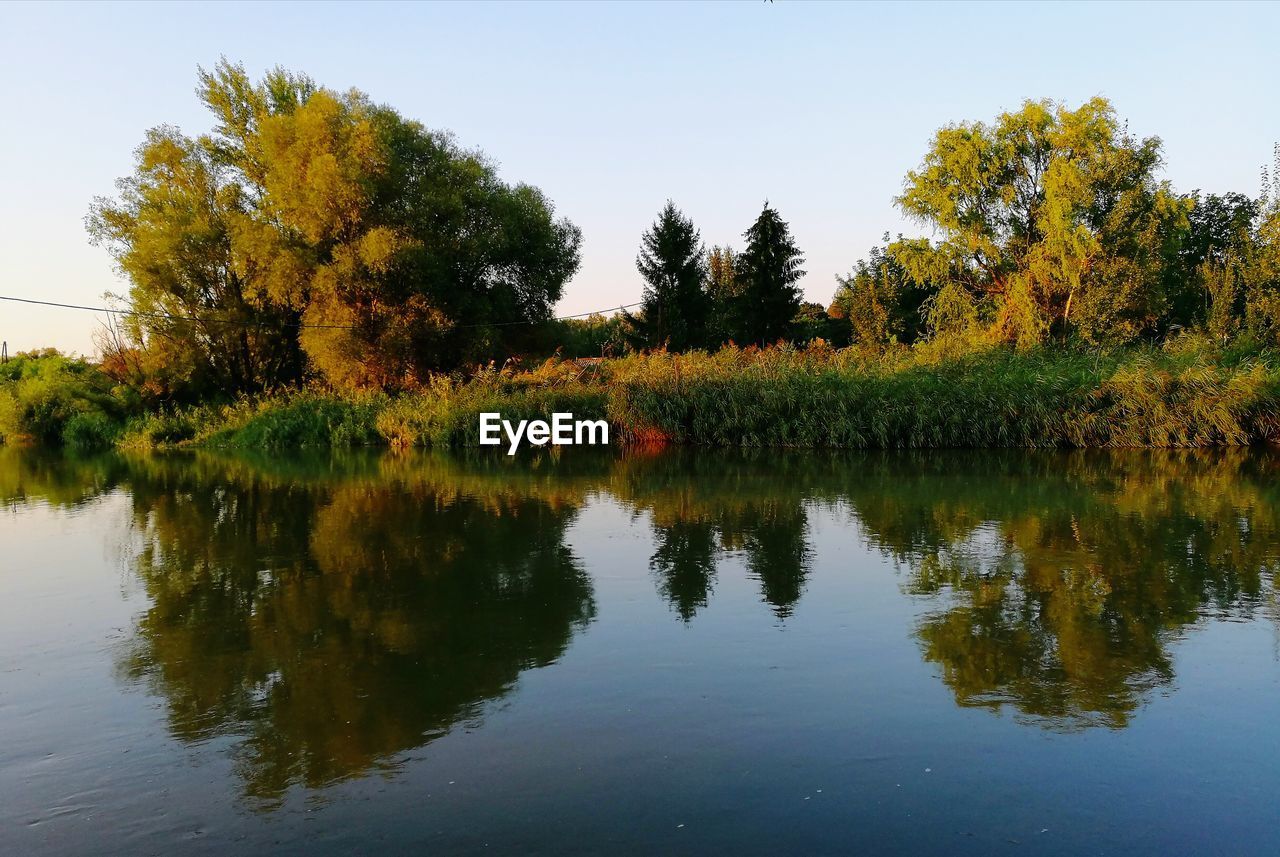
952,653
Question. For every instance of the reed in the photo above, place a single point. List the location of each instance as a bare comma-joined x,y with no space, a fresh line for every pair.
926,397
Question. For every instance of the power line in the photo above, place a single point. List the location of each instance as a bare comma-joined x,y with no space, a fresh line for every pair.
556,318
174,317
158,315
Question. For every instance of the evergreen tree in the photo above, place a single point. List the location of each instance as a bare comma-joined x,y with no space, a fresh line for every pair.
766,273
675,302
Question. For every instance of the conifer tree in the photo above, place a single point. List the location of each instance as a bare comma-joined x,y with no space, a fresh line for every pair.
766,273
673,263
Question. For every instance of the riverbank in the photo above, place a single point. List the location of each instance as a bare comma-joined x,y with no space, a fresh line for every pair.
1192,395
807,398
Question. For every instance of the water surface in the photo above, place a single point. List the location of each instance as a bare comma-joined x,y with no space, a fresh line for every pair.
949,652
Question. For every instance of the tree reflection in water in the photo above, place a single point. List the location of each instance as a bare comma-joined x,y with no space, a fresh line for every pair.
1055,582
330,615
336,623
703,507
1059,581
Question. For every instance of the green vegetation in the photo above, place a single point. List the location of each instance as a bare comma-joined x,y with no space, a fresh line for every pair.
1054,228
676,305
766,272
320,271
699,299
56,400
316,232
821,397
1189,393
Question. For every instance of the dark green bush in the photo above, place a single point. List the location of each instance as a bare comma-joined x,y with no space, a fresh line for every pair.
90,432
305,420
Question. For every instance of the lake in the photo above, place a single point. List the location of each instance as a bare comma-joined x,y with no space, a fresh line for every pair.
641,652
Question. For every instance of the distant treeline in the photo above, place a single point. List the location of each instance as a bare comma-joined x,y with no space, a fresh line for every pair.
318,235
318,241
1050,226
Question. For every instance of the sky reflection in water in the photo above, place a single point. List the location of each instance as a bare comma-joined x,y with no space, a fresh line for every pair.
314,621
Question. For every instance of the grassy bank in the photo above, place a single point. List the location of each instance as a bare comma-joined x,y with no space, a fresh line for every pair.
1190,394
816,397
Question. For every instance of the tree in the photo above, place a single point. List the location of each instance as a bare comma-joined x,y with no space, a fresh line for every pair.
201,317
722,282
881,301
1051,220
596,335
766,273
1228,266
673,263
1262,287
332,224
1219,230
812,322
722,288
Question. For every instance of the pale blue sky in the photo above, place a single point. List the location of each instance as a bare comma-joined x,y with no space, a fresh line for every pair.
613,108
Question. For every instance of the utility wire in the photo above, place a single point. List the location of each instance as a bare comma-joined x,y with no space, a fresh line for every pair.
172,317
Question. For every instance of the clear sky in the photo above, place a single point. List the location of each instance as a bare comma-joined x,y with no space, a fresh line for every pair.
613,108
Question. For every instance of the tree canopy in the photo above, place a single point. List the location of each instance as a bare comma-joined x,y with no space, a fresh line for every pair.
317,233
1051,223
1049,219
880,300
321,225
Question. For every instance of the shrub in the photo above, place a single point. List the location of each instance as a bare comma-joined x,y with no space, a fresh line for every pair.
41,393
301,419
159,430
945,393
90,432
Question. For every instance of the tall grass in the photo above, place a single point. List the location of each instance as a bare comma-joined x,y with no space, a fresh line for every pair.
292,420
996,398
1183,396
453,419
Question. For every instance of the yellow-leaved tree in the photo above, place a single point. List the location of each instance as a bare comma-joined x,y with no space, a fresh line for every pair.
1049,220
316,230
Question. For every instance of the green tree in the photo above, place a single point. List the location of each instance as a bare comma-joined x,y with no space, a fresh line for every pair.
1245,281
813,322
1051,219
594,336
1227,271
326,222
766,273
722,282
1200,276
202,316
673,263
881,301
723,289
54,399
